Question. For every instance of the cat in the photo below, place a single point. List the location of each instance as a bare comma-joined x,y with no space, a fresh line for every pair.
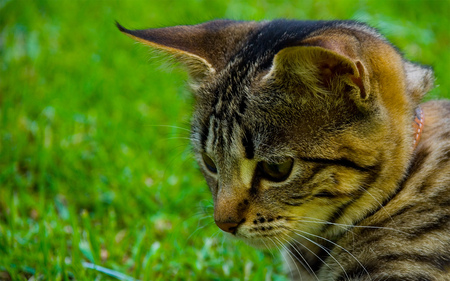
311,138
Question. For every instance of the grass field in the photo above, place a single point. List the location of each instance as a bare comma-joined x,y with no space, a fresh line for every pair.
97,180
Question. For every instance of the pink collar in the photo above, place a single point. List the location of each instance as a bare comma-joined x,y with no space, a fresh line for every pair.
418,125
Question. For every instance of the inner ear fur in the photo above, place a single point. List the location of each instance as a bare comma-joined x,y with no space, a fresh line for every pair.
203,48
321,70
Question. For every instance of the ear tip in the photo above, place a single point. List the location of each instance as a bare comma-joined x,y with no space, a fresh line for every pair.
121,28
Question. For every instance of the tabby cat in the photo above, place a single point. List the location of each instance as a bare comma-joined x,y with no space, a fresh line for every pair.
311,138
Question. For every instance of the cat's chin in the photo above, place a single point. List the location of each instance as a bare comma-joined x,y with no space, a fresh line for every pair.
258,242
264,243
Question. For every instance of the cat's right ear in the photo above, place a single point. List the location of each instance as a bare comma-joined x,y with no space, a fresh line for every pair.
320,70
202,48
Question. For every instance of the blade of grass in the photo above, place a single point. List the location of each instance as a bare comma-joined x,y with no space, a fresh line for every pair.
110,272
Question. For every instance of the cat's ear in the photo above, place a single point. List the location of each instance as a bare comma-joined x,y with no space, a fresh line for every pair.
322,65
203,48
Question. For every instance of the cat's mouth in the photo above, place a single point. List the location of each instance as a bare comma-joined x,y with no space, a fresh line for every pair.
263,236
272,232
260,231
260,241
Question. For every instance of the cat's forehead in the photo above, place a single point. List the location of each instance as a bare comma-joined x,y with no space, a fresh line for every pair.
239,119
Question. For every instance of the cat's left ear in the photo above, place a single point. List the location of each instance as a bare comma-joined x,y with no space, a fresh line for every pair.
322,65
202,48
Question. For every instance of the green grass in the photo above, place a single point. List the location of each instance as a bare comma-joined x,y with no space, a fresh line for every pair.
95,165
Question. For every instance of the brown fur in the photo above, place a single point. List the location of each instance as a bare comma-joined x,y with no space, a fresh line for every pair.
361,203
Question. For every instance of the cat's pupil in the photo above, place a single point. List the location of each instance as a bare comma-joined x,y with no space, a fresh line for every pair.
276,171
209,163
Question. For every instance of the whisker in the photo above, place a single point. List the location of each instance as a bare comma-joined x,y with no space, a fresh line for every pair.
337,245
268,248
198,228
306,262
275,244
309,250
347,226
178,138
379,203
292,256
217,233
205,204
169,126
202,215
343,226
320,246
290,269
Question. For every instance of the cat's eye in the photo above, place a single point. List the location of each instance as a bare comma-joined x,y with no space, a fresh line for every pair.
276,172
209,163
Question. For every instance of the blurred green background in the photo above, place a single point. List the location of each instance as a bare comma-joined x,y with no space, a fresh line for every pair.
95,164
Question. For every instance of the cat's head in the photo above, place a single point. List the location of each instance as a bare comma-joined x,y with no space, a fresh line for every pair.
299,127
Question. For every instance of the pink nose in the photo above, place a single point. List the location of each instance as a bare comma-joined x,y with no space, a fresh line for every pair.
230,227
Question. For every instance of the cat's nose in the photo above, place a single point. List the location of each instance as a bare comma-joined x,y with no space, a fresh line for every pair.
230,227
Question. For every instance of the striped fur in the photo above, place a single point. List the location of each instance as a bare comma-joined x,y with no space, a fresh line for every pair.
337,100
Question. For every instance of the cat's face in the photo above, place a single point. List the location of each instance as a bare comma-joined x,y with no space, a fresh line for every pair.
277,166
300,128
